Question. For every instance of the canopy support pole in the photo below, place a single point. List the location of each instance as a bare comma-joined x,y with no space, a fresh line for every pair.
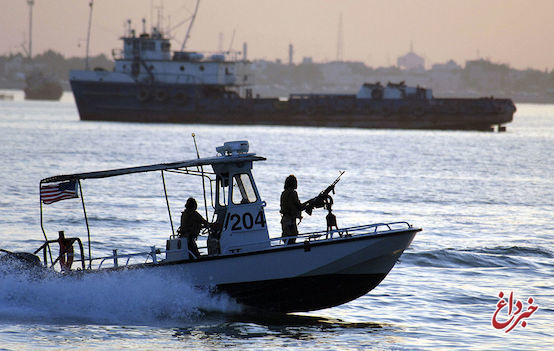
42,225
86,221
167,202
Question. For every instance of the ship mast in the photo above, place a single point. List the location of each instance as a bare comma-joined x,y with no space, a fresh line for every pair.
192,18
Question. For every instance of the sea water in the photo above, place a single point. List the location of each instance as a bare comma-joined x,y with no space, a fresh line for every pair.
485,202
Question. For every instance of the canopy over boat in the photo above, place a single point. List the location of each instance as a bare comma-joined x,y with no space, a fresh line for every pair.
155,167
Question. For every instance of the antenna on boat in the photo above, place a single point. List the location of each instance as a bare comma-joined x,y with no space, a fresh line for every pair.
202,171
195,146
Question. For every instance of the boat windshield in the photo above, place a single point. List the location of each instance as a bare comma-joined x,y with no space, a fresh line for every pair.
243,190
222,190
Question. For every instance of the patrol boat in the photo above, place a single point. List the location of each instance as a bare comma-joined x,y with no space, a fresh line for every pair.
322,269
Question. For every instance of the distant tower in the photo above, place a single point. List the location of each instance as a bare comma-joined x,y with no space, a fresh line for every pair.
30,3
90,4
291,53
244,51
339,40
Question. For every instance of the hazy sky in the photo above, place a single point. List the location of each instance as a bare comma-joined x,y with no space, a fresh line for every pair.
515,32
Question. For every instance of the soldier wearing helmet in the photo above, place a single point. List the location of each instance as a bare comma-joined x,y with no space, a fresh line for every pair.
191,224
291,209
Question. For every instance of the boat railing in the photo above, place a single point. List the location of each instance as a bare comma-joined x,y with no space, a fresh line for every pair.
122,260
80,257
115,258
47,252
335,234
375,228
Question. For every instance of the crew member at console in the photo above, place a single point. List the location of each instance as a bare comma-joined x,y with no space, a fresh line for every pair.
191,224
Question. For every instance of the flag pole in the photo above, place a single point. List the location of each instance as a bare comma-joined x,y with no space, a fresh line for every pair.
86,221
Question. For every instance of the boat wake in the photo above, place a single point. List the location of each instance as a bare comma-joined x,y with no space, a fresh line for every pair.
139,297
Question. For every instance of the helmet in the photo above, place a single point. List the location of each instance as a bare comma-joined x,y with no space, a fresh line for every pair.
191,204
290,182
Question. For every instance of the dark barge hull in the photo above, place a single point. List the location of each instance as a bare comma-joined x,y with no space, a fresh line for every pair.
102,101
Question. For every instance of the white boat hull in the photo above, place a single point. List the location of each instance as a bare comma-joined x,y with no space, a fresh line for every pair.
300,277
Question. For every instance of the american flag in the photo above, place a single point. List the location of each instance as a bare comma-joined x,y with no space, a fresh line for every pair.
56,192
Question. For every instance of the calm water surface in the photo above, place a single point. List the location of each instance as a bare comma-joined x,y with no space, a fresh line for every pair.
485,202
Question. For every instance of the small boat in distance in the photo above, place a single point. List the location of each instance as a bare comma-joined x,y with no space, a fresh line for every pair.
239,258
41,86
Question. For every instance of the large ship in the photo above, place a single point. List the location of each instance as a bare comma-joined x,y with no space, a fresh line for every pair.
150,83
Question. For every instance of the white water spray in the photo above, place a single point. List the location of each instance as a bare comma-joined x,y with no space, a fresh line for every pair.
135,297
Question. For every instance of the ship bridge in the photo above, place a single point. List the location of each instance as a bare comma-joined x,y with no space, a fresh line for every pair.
148,58
146,46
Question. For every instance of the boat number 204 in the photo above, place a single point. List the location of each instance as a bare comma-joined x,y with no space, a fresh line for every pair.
245,221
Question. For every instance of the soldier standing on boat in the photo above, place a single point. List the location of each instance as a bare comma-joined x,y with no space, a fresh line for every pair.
191,224
291,209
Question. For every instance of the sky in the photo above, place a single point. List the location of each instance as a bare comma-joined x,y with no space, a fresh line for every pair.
514,32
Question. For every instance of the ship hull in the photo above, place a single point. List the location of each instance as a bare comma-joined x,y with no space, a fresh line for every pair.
172,103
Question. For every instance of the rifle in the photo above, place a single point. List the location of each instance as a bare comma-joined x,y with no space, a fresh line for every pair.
322,199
